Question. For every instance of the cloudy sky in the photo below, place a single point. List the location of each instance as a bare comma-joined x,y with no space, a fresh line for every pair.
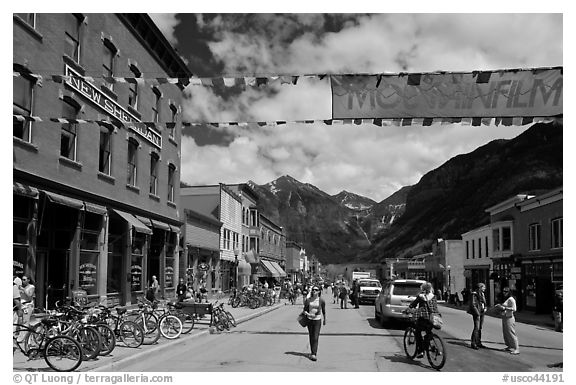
365,159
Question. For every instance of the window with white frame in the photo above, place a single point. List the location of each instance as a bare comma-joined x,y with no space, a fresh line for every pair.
23,95
534,236
556,228
479,247
506,238
173,114
108,57
133,87
72,25
496,239
105,153
171,177
156,105
69,131
154,161
132,162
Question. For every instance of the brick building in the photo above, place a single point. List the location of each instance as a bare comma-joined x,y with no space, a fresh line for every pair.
95,204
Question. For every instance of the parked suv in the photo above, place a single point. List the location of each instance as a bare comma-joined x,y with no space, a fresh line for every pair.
394,299
369,290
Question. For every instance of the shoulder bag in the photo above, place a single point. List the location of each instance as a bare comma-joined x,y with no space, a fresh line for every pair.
435,318
302,319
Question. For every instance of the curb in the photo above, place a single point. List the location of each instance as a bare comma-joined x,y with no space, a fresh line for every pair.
113,366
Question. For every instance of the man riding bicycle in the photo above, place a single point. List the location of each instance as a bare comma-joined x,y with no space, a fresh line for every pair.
425,304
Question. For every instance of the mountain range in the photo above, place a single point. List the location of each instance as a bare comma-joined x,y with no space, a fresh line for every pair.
445,203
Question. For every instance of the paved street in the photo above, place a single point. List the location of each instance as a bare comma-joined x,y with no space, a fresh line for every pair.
352,341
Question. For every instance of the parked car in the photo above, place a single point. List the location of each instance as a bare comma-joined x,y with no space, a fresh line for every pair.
369,290
394,299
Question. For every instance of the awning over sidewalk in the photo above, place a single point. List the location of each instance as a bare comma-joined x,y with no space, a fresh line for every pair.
134,222
25,190
268,270
277,267
65,201
94,208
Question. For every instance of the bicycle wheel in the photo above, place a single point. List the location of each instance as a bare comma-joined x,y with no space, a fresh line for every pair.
254,303
436,352
36,337
230,318
150,326
236,302
410,346
63,354
187,322
170,327
131,334
108,339
90,341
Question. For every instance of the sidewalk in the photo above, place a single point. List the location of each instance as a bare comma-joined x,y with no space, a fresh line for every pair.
527,317
121,355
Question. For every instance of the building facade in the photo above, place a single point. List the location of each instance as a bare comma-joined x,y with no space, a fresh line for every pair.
477,259
293,257
272,251
96,193
223,204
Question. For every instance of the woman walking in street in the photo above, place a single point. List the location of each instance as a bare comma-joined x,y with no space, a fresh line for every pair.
508,308
315,310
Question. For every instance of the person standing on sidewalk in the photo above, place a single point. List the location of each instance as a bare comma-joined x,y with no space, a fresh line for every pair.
343,295
181,290
508,308
477,308
315,310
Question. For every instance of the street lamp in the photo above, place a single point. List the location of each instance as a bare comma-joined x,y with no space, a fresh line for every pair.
236,252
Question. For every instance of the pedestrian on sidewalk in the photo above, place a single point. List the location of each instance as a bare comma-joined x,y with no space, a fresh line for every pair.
558,309
343,295
335,292
477,308
315,310
181,290
508,308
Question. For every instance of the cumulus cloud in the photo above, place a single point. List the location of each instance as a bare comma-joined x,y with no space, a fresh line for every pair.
166,22
365,159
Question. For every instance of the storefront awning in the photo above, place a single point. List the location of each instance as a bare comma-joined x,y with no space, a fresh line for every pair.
174,229
94,208
161,225
251,257
22,189
269,269
276,266
134,222
65,201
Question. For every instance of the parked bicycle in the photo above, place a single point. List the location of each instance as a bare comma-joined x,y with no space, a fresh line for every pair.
169,324
146,319
433,344
129,332
61,353
67,320
222,319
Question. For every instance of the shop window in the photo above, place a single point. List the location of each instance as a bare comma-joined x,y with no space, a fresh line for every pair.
23,95
22,215
20,254
90,231
154,160
69,131
171,177
114,273
136,262
534,237
556,236
132,162
105,153
72,25
88,272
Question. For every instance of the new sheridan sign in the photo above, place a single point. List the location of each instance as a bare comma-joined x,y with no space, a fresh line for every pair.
110,106
508,93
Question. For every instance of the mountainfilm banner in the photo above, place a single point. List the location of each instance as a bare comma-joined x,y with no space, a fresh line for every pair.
506,93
